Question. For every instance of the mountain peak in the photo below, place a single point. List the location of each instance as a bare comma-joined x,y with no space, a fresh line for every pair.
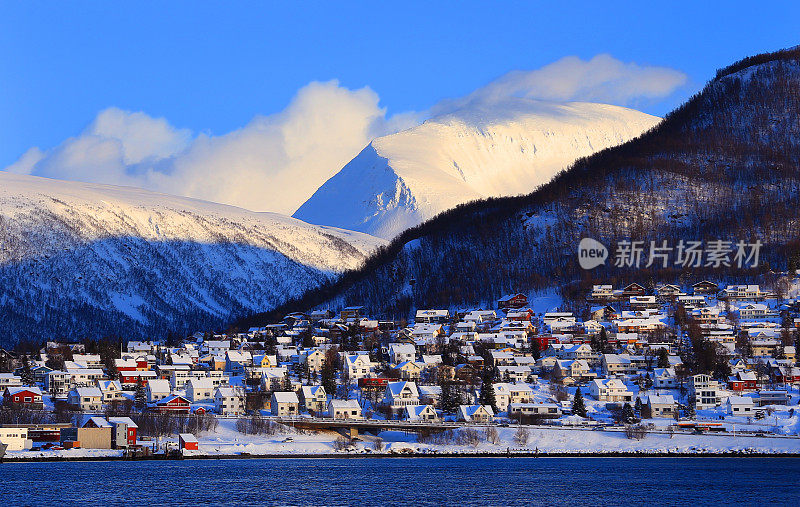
506,148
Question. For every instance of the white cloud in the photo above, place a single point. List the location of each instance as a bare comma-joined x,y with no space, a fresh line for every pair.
275,162
601,79
26,162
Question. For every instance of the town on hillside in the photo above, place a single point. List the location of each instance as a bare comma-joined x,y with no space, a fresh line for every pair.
676,360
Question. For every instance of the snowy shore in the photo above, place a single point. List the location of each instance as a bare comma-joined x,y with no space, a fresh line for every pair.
226,442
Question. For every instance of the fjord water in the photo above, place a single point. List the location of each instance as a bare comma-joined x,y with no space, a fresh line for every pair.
417,481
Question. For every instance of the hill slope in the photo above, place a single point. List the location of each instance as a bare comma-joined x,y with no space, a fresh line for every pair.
722,166
84,259
401,180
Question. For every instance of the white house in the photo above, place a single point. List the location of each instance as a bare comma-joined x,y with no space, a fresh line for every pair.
314,359
200,389
313,398
421,413
358,366
15,438
753,311
739,405
399,395
399,352
344,409
611,390
706,392
86,398
111,389
475,413
284,404
506,394
664,378
662,405
157,390
229,401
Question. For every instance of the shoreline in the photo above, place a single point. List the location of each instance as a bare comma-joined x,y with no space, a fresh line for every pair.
542,454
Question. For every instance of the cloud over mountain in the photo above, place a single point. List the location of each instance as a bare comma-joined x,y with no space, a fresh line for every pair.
277,161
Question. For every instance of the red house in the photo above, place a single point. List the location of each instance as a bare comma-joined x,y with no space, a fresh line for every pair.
633,289
544,341
520,315
174,404
188,441
23,396
134,378
512,301
743,381
124,434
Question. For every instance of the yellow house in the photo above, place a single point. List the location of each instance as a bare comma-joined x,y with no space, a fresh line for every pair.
265,361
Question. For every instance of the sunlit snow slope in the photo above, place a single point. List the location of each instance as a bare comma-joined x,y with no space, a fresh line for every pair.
401,180
79,258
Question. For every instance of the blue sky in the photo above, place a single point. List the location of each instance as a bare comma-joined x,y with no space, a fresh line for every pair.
209,67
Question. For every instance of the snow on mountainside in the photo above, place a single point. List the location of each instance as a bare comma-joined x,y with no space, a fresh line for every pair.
511,148
86,259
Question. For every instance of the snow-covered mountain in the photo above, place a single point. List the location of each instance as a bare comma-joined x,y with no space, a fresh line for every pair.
86,259
722,166
510,148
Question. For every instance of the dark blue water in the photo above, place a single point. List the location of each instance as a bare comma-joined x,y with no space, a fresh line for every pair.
419,481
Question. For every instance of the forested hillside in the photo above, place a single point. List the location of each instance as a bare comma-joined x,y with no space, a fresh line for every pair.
725,165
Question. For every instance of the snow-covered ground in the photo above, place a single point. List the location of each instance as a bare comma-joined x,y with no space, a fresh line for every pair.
226,441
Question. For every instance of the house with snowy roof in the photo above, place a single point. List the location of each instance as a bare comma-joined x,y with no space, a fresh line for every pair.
229,401
664,378
659,405
87,399
23,396
408,370
236,362
313,398
399,395
157,389
358,366
344,409
111,390
739,405
200,389
610,390
284,404
420,413
475,413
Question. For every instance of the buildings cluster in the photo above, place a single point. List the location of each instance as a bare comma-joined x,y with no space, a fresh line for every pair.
627,346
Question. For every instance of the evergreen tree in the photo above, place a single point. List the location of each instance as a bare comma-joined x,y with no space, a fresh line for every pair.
140,398
663,358
536,351
328,378
26,375
638,405
627,413
578,406
450,399
487,389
